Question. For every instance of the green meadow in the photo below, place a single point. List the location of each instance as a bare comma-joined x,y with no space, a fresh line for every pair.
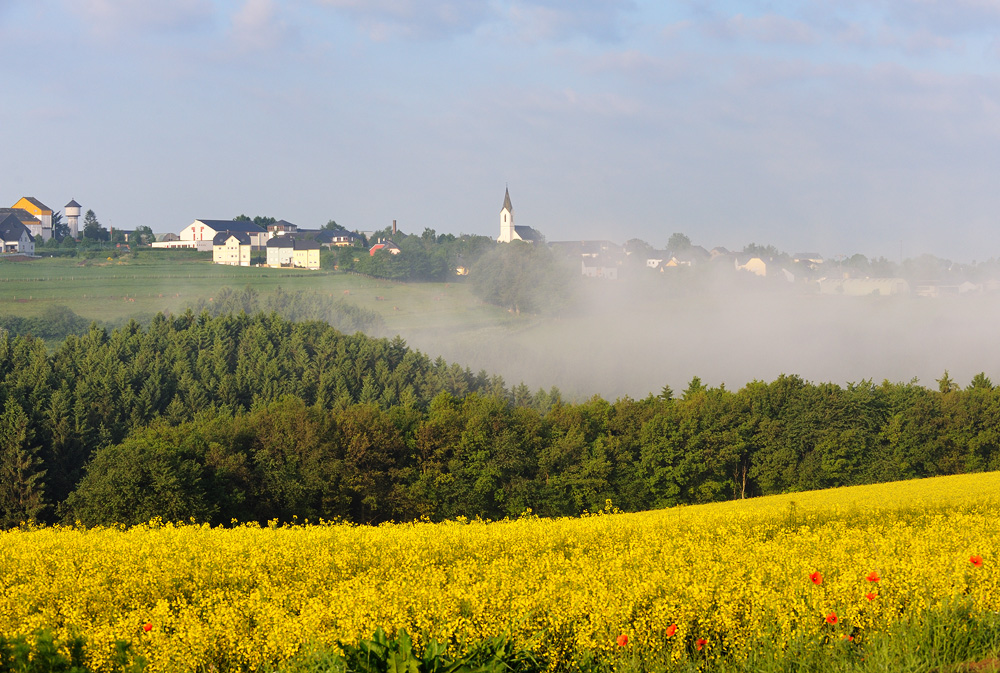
114,290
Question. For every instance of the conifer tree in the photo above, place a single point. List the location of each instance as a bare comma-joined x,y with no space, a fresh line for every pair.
21,488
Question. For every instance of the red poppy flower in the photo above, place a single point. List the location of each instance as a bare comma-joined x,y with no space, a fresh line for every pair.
701,643
976,561
147,627
816,578
831,618
622,640
671,630
844,636
873,577
871,595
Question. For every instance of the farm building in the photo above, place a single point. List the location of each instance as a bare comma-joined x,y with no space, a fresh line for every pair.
14,236
231,248
293,251
41,212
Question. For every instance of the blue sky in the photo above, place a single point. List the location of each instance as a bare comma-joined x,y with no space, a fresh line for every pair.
837,127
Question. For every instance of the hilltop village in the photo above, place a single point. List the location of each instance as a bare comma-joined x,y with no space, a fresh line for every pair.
29,229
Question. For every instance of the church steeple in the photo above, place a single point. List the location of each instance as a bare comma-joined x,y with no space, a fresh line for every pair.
506,219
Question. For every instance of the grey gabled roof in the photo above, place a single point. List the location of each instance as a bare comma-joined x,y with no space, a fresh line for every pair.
293,241
506,201
281,242
223,236
11,228
528,234
233,225
305,244
22,215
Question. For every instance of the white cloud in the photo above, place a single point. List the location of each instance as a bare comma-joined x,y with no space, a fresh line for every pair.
114,16
257,25
769,28
539,20
386,19
529,20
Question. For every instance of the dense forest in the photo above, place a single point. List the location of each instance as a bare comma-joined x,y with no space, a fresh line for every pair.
257,417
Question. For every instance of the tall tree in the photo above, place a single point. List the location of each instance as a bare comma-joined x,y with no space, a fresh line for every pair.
143,235
678,243
92,228
60,229
21,496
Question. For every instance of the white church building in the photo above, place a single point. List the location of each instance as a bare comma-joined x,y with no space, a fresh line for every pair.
508,231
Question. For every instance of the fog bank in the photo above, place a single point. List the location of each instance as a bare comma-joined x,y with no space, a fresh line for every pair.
629,339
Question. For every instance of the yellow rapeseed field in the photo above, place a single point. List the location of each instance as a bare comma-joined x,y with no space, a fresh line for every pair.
831,563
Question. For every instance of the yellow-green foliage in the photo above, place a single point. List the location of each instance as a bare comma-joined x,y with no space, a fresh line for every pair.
732,574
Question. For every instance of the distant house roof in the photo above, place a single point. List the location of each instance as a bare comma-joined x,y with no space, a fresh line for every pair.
223,236
23,216
11,228
233,225
72,204
326,236
36,203
282,225
295,242
386,245
528,234
744,257
305,244
280,242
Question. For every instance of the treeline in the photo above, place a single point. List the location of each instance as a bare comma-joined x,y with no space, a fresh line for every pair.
429,257
55,322
58,322
259,418
297,306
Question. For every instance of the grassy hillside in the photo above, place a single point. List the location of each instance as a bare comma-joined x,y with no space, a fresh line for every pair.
116,290
838,578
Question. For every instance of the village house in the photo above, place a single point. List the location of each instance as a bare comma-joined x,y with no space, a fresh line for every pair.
200,234
385,244
327,238
41,212
282,227
751,263
811,260
305,254
232,248
342,238
14,236
596,267
293,251
30,222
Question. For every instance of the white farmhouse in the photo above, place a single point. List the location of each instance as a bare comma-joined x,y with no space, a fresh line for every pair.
200,234
14,236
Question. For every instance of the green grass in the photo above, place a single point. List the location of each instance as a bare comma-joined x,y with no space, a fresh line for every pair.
115,290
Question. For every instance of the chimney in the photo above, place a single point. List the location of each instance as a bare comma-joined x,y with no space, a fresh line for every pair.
394,227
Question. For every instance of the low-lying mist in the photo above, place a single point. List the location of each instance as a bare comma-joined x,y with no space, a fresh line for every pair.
631,338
